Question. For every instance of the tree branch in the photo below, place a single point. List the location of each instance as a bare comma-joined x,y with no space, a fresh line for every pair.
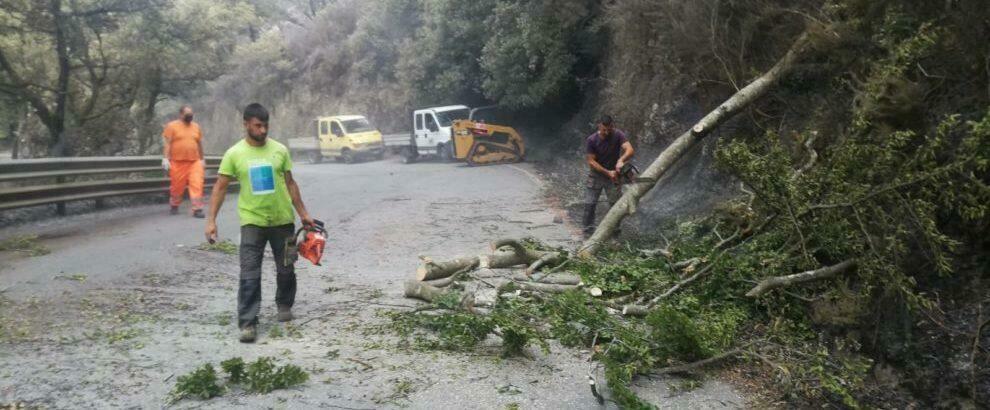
775,282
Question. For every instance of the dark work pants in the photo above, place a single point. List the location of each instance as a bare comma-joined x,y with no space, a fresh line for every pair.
253,241
593,190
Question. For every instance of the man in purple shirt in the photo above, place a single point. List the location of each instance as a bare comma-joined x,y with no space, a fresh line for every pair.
608,151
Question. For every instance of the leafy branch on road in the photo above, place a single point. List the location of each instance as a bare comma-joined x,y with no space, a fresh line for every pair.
260,376
225,246
28,244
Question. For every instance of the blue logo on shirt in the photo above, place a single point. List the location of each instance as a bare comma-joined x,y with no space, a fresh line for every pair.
262,179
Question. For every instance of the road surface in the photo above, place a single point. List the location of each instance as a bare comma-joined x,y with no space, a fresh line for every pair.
126,301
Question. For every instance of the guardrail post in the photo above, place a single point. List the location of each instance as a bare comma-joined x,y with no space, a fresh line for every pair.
100,203
60,206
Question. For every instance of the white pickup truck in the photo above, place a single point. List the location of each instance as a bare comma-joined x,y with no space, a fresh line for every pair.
430,134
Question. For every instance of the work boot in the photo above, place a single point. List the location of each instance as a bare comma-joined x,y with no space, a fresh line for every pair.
284,313
173,210
198,214
248,334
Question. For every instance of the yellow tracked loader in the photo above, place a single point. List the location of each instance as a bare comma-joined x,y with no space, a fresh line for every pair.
480,143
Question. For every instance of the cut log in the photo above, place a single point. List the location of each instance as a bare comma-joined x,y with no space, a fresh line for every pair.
431,270
740,100
555,279
539,287
419,290
444,282
635,310
775,282
548,259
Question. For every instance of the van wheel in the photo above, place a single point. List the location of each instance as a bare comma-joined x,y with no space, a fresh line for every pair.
315,157
347,156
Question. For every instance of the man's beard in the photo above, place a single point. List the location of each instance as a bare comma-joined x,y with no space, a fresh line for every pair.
258,138
187,119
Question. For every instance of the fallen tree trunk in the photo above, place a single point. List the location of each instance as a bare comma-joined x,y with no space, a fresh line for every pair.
431,270
740,100
519,255
775,282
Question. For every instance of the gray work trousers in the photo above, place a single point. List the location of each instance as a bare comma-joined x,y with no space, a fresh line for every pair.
593,189
252,251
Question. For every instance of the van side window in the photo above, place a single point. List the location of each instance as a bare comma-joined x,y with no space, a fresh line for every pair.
431,122
335,128
323,128
419,121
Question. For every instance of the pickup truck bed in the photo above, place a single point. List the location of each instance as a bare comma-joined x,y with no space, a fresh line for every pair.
397,140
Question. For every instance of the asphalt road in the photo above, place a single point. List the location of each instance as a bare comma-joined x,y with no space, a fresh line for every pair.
126,301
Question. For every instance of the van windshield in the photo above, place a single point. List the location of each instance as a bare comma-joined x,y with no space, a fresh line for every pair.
447,117
356,126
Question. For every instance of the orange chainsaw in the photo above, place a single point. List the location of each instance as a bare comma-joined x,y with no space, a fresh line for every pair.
311,247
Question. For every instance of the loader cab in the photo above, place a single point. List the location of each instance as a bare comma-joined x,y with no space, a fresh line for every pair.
431,129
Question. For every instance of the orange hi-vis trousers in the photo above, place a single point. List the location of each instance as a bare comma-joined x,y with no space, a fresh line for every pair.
182,174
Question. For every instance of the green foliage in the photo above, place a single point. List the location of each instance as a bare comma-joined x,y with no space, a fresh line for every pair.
526,59
574,319
260,376
449,300
263,376
677,334
201,384
453,331
28,244
516,320
224,246
624,274
234,368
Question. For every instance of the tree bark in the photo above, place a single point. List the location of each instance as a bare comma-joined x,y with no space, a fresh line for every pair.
775,282
422,291
555,279
431,270
740,100
539,287
519,255
58,146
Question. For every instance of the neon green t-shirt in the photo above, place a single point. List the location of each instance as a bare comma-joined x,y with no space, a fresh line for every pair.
264,198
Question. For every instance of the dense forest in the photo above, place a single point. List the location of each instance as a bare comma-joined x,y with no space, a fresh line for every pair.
865,165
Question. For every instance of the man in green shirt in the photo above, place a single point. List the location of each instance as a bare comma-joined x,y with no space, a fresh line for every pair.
265,205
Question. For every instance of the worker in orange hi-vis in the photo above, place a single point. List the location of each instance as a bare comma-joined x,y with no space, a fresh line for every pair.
184,161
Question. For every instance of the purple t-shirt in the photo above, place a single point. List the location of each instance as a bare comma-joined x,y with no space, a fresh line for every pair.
607,151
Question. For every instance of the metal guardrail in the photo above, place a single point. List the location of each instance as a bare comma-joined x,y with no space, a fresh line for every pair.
33,182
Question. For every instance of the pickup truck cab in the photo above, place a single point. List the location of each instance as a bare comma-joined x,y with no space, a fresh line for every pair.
342,137
432,129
